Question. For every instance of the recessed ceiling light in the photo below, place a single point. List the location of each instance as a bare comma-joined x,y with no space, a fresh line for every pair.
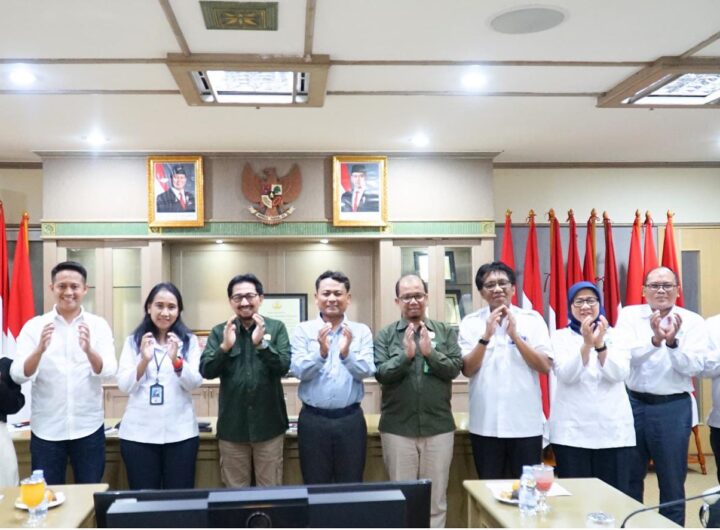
21,76
219,241
96,139
474,80
420,140
528,19
324,241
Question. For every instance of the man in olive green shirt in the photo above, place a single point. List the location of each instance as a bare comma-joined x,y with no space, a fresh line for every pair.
250,354
416,360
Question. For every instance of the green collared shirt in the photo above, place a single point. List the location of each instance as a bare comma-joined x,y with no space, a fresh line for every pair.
251,404
416,392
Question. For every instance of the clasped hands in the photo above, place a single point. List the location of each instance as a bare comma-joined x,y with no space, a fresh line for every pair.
323,339
423,339
665,328
495,319
230,332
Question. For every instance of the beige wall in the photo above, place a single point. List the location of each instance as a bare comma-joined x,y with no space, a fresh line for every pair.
21,190
84,188
690,193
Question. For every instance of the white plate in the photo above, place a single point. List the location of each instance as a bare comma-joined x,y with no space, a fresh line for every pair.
504,500
59,499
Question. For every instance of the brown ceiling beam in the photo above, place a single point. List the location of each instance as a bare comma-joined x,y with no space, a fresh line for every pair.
175,26
460,93
310,11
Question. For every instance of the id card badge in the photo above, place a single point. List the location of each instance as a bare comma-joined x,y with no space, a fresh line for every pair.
157,394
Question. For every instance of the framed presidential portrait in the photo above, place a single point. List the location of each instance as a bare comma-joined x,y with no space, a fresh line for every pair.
175,191
359,191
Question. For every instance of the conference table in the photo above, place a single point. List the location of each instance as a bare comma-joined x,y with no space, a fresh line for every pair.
78,510
587,495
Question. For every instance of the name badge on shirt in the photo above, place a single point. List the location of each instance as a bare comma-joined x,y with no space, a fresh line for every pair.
157,394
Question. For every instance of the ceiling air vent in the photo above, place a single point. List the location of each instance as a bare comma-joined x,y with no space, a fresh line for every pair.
250,80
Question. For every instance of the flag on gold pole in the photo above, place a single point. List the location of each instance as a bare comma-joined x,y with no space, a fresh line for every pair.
669,255
589,265
574,270
633,290
507,255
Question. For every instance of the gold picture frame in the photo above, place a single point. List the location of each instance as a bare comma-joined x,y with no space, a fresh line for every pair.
175,191
359,191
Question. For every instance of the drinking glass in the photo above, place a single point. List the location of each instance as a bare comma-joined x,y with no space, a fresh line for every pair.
32,493
544,476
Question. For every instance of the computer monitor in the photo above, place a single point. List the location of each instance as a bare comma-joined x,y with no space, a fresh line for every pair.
416,493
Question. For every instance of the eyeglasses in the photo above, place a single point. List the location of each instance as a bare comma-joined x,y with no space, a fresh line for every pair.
658,286
249,297
407,298
503,284
590,301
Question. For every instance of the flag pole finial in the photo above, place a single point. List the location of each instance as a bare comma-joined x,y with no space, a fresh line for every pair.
508,212
551,214
648,217
531,215
606,217
670,214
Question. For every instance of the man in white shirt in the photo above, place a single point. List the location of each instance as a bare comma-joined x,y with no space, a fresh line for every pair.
504,350
66,353
667,346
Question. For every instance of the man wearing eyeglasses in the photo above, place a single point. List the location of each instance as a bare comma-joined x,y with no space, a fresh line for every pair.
504,350
250,354
416,360
667,345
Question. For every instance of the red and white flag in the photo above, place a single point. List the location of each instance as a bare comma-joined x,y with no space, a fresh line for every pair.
507,255
669,255
160,176
574,270
532,295
557,319
650,260
532,286
4,282
21,306
633,290
589,265
611,285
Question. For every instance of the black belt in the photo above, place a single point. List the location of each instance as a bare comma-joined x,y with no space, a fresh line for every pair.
654,399
332,413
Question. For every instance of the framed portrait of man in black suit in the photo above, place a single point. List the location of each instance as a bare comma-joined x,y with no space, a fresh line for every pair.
359,191
175,191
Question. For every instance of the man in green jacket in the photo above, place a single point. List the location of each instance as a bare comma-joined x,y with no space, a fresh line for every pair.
416,360
250,354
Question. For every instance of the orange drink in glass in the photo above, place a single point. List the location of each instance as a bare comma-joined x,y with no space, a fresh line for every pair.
32,493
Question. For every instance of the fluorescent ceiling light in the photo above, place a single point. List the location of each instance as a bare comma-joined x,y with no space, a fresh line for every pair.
324,241
258,87
95,139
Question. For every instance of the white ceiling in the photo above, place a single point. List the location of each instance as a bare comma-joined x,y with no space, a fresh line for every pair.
533,123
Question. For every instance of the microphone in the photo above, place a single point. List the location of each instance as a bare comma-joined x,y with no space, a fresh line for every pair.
713,519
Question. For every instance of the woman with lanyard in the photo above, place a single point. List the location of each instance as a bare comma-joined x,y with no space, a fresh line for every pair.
159,369
591,423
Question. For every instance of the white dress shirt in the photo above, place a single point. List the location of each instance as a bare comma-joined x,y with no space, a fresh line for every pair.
661,371
505,399
590,408
67,395
174,420
712,368
331,382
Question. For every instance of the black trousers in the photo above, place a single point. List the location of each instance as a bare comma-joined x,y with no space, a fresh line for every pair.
504,457
331,449
160,466
715,444
612,465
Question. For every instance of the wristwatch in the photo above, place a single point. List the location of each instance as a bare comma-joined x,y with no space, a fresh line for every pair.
483,341
673,345
264,345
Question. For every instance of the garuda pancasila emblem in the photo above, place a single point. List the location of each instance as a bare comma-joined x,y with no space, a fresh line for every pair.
270,193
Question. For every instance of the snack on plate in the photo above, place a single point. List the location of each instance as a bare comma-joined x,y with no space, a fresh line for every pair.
50,495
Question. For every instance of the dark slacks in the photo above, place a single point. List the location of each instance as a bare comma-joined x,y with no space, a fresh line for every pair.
611,465
87,458
331,449
160,466
662,431
715,444
504,457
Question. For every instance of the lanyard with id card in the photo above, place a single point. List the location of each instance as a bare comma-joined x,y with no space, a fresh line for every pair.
157,391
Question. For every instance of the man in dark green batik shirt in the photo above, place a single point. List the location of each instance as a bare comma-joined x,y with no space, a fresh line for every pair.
250,354
416,360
